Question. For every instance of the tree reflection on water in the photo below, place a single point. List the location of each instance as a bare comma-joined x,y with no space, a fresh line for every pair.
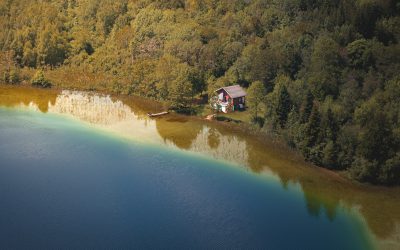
323,190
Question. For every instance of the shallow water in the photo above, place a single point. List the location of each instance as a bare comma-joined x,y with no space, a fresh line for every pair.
82,170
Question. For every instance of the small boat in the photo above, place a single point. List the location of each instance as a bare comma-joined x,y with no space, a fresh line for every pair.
157,114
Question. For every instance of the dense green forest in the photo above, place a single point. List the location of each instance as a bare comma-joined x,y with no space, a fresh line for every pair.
324,75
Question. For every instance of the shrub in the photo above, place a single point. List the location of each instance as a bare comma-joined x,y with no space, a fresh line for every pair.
14,77
364,170
39,80
11,77
6,77
390,172
259,121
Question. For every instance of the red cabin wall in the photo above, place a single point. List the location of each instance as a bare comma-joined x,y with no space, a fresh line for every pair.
235,101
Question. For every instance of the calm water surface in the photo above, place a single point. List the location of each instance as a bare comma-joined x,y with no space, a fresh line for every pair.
83,170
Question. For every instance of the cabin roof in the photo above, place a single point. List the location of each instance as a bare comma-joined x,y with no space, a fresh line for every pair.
234,91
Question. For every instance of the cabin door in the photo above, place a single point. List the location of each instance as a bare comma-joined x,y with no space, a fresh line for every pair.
221,96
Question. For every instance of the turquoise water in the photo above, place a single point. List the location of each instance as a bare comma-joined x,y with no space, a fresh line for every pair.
66,185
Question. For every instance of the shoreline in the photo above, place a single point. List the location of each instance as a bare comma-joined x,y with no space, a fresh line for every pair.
273,140
323,188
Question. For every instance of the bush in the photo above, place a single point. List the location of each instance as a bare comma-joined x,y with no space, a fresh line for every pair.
259,121
390,172
39,80
14,77
364,170
11,77
118,87
6,77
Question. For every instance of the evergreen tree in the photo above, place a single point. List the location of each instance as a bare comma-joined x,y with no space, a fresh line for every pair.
376,141
330,126
312,135
330,153
293,128
283,107
307,106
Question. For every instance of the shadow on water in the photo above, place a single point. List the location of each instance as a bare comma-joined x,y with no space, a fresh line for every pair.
323,191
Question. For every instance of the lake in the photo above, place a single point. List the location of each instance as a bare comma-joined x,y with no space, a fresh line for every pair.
87,170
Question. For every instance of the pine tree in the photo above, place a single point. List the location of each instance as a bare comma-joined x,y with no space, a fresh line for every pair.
330,155
377,140
330,126
293,127
307,107
310,146
284,106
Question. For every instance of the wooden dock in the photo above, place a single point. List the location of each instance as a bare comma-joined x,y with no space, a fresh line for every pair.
211,117
157,114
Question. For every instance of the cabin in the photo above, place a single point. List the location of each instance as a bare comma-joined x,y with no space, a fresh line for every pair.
231,98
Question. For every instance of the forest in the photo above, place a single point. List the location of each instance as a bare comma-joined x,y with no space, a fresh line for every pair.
322,74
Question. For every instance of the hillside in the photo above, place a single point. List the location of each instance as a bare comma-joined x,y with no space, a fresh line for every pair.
324,75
